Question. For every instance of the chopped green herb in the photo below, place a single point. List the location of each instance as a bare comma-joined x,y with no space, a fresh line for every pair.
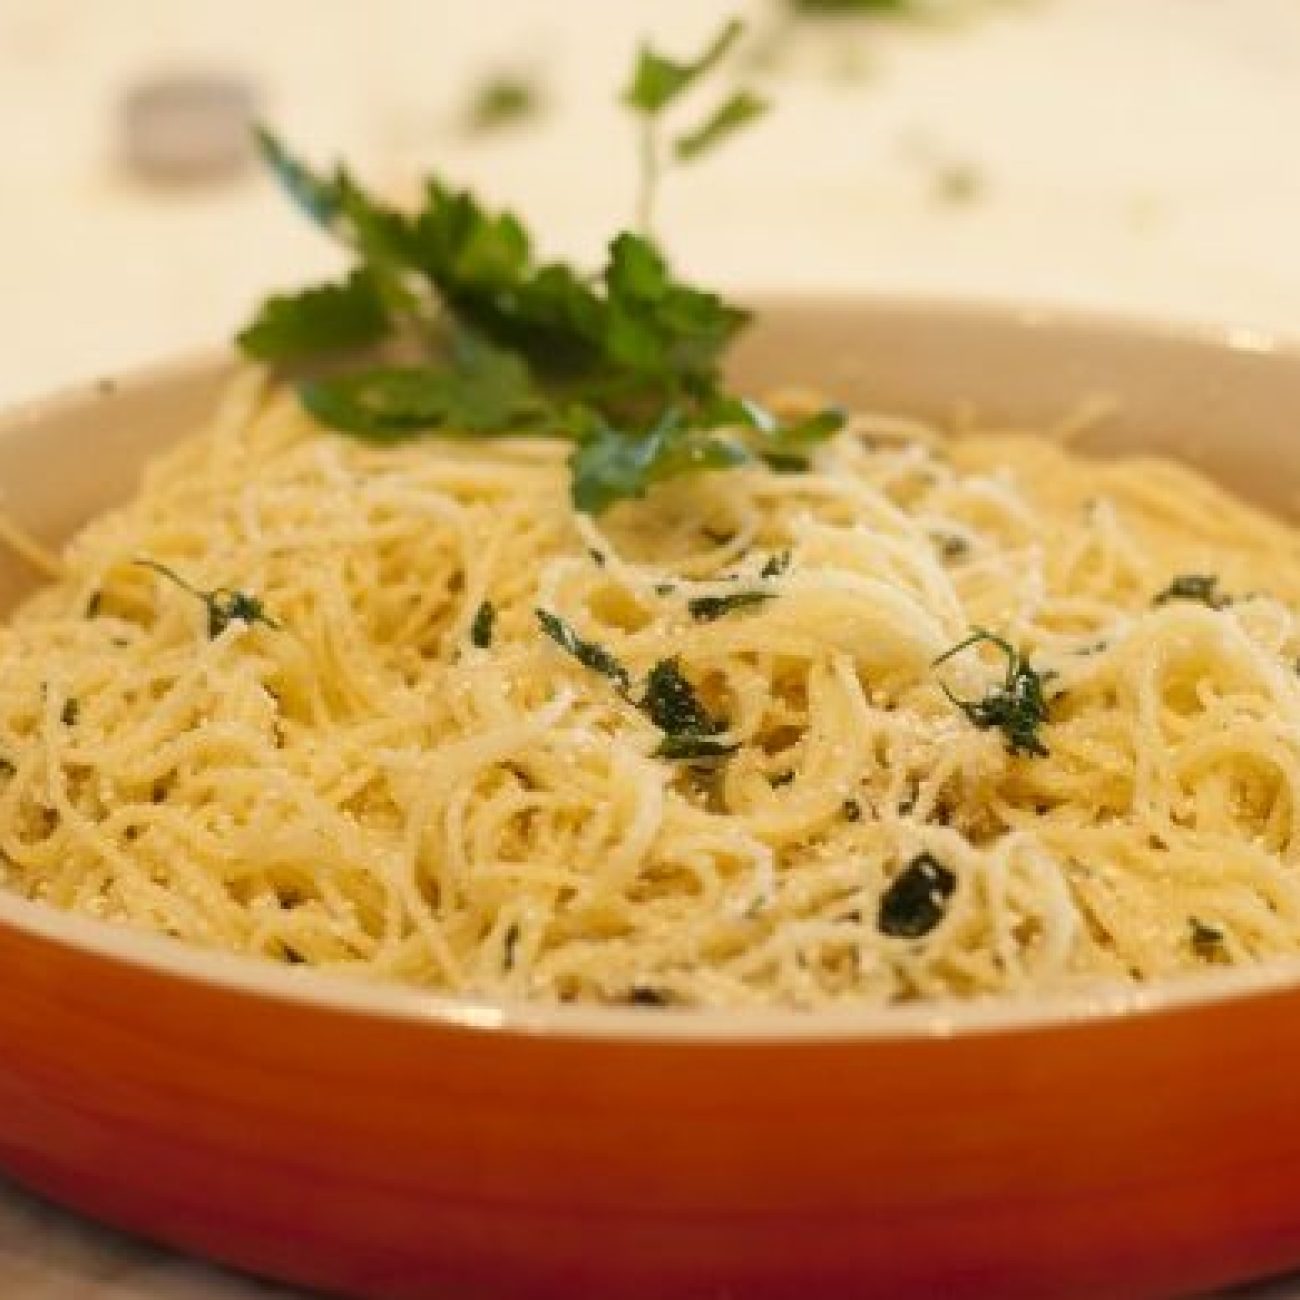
597,558
690,731
71,712
852,810
687,748
1199,587
671,704
667,589
776,565
707,608
642,995
587,653
504,99
778,779
510,946
224,605
94,604
1207,940
917,898
480,632
952,546
1017,707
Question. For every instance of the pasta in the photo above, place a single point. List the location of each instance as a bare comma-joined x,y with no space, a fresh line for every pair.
381,761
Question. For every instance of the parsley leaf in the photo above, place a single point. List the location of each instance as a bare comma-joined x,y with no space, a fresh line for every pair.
488,392
320,319
611,465
317,197
657,80
732,114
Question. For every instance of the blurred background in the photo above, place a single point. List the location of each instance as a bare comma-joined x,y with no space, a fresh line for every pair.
1125,154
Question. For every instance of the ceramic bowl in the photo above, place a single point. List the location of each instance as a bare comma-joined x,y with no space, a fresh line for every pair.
381,1142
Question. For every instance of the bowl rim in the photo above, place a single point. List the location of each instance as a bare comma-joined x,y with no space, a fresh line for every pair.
350,994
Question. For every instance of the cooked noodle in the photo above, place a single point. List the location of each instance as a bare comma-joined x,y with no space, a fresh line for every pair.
360,786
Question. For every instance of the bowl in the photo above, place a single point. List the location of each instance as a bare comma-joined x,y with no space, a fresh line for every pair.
376,1141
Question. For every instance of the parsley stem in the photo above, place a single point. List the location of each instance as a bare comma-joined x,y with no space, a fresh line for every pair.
649,179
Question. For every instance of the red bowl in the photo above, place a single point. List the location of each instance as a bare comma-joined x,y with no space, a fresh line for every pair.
379,1142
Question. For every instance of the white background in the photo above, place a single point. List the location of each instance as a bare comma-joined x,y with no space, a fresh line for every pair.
1139,155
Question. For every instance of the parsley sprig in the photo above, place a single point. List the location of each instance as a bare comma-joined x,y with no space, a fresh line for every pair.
225,605
1016,706
625,363
657,83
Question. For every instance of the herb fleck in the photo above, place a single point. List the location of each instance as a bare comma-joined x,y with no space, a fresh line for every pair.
778,779
588,653
510,946
504,99
642,995
480,632
1207,940
71,712
958,183
852,810
1198,587
94,604
707,608
1016,707
776,565
687,747
917,898
952,546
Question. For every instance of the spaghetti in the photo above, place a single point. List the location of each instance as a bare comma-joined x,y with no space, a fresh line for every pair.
394,769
